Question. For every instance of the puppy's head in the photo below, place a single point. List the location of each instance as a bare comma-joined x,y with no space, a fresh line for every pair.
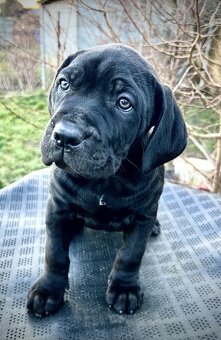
102,101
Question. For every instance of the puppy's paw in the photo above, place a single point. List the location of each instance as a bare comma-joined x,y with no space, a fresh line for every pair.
46,296
156,229
124,299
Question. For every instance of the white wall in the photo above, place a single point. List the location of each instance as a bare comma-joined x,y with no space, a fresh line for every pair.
59,28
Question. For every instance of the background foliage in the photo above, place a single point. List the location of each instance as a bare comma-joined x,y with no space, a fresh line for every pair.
23,118
181,39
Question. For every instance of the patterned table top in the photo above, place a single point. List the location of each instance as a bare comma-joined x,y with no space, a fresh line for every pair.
181,271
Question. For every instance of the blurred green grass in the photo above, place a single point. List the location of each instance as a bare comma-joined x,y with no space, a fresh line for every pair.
23,118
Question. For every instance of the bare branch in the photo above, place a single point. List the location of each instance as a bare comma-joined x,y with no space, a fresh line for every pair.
25,51
201,148
17,115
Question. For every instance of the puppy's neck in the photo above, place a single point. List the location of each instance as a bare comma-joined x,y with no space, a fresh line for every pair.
132,164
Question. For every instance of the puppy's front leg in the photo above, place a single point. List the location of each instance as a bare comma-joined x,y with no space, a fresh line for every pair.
47,293
124,293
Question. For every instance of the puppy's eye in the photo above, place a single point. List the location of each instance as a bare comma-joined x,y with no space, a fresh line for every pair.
124,104
64,85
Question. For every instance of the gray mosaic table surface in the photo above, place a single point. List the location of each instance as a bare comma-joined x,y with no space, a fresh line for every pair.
181,271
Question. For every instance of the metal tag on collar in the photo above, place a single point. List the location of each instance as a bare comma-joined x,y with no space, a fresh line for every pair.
101,201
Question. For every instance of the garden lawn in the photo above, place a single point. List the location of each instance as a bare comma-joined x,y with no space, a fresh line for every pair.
22,121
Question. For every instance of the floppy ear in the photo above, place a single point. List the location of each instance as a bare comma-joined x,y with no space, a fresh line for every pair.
169,136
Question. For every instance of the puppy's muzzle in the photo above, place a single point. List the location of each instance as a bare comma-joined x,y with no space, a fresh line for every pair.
67,135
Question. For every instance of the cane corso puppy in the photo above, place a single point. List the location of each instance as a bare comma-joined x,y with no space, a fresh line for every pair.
113,125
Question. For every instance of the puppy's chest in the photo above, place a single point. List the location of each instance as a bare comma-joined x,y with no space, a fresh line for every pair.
101,208
110,204
100,198
105,218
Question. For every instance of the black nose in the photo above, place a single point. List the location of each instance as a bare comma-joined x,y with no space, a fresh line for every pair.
67,135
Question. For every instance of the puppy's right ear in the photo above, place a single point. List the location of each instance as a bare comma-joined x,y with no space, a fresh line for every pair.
66,63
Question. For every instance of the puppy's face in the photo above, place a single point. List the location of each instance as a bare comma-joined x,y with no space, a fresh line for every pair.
102,101
97,107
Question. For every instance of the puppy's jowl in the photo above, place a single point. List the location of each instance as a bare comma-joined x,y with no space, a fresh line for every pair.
113,125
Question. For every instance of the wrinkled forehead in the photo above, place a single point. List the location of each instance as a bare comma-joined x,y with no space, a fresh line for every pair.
105,63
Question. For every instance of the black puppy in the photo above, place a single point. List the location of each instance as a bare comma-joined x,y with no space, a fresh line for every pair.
113,125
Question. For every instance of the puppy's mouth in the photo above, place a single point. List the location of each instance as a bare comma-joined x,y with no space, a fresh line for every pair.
87,166
83,156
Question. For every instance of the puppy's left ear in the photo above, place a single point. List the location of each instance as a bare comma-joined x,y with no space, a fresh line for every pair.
169,136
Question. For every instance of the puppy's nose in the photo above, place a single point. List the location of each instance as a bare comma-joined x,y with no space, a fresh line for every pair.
67,135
